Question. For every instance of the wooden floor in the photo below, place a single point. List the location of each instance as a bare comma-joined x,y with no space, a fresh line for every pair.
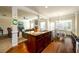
53,47
6,43
20,48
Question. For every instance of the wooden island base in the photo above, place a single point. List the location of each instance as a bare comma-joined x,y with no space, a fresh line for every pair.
37,42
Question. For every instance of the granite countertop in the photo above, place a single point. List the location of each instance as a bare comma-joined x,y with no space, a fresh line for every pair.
36,33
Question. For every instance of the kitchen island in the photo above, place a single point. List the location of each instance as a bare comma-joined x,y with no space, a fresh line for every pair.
37,41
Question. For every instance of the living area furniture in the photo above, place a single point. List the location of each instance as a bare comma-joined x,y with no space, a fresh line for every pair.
1,31
37,41
10,32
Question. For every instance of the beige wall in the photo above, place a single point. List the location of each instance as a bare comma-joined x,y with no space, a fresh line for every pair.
5,22
5,17
78,25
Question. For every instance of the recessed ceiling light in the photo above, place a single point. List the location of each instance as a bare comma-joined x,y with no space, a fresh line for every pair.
46,6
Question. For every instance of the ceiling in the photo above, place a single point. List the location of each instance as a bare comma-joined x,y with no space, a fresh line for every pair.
54,11
51,11
22,13
7,11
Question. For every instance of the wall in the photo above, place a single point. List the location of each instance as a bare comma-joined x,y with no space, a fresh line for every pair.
78,24
5,17
5,22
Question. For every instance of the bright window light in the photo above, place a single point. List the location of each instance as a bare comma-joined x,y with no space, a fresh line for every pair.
43,26
64,25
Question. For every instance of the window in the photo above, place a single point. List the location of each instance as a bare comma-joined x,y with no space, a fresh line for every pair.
64,25
52,26
26,24
42,26
32,25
